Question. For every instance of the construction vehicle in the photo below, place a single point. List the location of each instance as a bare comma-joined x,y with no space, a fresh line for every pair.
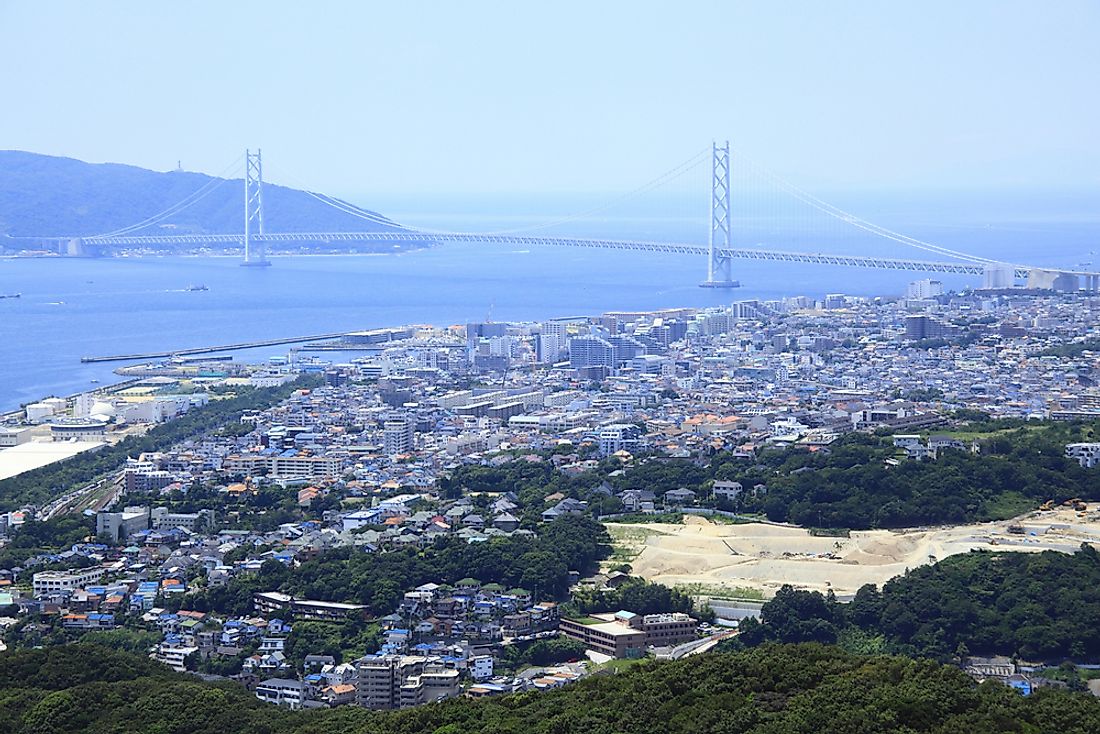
1047,506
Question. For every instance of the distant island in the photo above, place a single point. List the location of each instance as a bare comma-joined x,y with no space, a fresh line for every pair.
44,196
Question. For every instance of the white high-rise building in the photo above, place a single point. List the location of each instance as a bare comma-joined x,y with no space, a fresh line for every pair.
559,329
619,437
921,289
999,276
83,404
591,351
550,347
398,436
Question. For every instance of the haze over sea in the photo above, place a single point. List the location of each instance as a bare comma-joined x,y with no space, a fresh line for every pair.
79,307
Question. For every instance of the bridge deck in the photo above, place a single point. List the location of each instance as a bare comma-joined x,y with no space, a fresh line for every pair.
742,253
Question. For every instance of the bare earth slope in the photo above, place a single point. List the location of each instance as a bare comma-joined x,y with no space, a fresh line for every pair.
765,557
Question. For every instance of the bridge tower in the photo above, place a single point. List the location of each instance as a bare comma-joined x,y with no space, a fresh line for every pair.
719,265
255,252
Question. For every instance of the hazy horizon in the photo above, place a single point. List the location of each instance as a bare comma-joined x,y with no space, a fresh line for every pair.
1077,197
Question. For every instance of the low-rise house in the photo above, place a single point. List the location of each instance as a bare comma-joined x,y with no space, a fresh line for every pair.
679,497
318,662
89,621
516,625
467,586
726,490
638,500
339,694
567,506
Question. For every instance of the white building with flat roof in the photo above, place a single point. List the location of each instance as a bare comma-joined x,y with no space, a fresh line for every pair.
922,289
48,582
13,436
1086,454
44,409
79,429
35,454
173,656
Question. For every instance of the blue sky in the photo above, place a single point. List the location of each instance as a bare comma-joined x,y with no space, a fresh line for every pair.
364,98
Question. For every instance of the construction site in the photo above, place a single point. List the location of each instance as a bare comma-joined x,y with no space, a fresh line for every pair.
755,559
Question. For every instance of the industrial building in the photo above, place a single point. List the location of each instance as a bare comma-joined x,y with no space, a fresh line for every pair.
627,635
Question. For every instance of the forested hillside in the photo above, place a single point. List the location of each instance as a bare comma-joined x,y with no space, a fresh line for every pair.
540,564
853,483
853,486
43,195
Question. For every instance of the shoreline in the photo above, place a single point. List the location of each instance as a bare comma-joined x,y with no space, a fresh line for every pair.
106,388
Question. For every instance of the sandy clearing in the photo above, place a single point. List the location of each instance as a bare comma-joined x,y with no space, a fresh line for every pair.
765,556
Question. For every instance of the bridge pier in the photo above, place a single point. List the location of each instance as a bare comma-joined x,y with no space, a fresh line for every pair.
255,252
719,263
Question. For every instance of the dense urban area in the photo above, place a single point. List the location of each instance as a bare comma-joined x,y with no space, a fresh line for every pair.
767,492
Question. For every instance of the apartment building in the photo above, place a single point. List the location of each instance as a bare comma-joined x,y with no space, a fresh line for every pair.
162,519
398,436
288,464
402,681
435,683
267,602
50,582
381,678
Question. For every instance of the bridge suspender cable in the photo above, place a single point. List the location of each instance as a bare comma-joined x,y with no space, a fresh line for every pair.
853,220
200,194
670,175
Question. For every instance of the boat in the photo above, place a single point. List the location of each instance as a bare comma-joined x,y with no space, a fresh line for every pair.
10,295
197,288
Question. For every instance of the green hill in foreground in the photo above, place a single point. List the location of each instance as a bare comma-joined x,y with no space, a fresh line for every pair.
1035,606
772,689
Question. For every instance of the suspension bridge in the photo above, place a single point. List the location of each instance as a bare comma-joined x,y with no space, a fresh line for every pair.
720,250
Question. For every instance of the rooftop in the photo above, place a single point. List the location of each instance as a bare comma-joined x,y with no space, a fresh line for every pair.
36,454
